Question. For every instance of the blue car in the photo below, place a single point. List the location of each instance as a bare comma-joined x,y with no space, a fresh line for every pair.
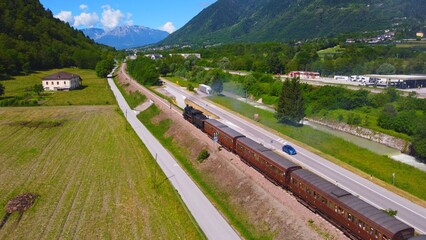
289,149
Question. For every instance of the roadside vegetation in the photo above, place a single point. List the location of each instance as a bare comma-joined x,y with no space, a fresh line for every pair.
93,176
134,99
338,150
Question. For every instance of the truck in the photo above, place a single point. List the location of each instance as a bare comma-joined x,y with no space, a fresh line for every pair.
354,78
346,78
205,89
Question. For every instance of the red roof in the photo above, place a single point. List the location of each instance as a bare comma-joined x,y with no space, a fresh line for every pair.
61,75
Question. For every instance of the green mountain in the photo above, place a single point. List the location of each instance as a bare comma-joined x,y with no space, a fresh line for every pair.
32,39
284,20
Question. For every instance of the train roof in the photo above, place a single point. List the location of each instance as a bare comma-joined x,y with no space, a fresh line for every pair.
231,132
252,144
216,123
352,203
373,214
200,116
279,160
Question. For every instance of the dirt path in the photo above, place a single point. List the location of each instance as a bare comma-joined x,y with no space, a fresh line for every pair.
266,207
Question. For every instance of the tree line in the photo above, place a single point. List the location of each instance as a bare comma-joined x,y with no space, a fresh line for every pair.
346,59
32,39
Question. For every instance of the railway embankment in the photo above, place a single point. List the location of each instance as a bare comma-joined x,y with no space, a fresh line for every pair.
382,138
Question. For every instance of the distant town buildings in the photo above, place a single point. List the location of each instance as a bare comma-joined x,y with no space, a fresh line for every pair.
385,37
61,81
154,56
186,55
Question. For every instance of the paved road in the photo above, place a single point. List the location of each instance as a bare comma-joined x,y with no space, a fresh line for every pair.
208,218
408,212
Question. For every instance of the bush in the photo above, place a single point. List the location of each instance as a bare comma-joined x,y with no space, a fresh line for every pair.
204,154
190,87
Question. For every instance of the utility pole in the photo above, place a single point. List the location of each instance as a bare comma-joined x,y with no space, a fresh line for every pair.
393,178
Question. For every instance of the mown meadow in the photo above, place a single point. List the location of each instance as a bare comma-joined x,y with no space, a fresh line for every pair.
93,176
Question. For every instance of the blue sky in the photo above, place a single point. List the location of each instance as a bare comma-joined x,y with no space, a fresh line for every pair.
168,15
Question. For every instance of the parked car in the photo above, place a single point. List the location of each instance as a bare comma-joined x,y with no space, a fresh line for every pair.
289,149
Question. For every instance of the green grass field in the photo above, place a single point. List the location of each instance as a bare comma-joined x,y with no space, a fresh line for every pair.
180,81
330,51
95,91
134,99
412,44
93,175
410,179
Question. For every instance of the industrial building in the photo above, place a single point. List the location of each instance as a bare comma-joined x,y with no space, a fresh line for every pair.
398,81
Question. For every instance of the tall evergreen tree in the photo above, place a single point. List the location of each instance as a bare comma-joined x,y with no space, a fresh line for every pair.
291,103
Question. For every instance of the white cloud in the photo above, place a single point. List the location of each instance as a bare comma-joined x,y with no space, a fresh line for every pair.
168,27
65,16
84,7
129,21
86,19
110,17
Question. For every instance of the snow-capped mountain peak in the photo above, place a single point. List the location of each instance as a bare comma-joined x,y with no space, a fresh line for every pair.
126,36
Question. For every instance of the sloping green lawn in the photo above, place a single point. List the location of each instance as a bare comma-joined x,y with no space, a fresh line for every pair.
95,91
94,177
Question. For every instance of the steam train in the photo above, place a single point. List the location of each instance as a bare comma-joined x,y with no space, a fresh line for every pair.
356,218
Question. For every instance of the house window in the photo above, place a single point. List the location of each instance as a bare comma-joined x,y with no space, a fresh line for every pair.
65,82
57,83
47,83
53,83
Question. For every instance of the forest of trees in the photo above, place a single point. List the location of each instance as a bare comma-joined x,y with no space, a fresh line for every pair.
32,39
347,59
144,70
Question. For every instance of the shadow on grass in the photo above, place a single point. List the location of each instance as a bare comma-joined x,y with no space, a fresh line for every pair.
81,87
6,78
291,123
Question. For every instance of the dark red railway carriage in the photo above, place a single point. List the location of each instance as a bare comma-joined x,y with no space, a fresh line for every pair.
353,215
